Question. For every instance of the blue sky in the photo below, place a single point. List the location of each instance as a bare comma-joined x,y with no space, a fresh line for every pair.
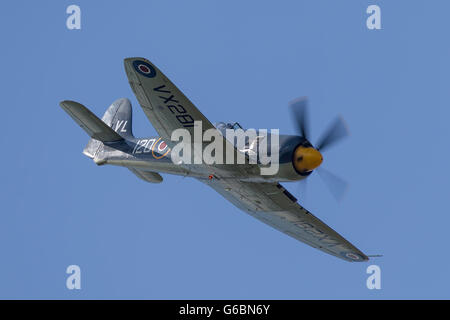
237,61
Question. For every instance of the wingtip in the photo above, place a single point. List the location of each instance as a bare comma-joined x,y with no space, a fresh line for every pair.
64,103
68,103
354,256
130,59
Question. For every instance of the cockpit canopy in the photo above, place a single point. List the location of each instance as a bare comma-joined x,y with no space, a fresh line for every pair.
232,125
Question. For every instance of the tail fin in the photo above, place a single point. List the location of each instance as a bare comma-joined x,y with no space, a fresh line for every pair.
119,117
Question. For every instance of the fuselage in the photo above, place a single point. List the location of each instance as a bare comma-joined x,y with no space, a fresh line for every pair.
154,154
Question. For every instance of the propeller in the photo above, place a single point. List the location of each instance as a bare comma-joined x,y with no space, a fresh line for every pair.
299,108
309,158
335,132
336,185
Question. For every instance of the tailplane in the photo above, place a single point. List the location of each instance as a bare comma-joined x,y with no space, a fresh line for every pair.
114,126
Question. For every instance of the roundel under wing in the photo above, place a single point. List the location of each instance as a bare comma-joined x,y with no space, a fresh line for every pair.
144,68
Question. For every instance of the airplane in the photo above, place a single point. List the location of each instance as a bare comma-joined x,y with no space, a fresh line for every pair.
262,196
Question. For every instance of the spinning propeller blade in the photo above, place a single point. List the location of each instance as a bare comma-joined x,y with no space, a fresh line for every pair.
299,109
337,186
303,189
335,132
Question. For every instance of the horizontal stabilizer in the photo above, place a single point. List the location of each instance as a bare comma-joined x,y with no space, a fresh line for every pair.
90,123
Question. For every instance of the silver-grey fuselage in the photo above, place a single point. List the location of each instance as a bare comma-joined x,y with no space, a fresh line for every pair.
154,155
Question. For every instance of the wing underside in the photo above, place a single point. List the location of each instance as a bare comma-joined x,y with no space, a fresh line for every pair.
272,204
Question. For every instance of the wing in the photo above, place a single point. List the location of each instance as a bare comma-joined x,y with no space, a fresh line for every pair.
272,204
164,104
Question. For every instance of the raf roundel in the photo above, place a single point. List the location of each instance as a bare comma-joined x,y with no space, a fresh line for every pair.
352,256
162,146
144,68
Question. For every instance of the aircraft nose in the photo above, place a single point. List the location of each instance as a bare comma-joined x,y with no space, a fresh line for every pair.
307,159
